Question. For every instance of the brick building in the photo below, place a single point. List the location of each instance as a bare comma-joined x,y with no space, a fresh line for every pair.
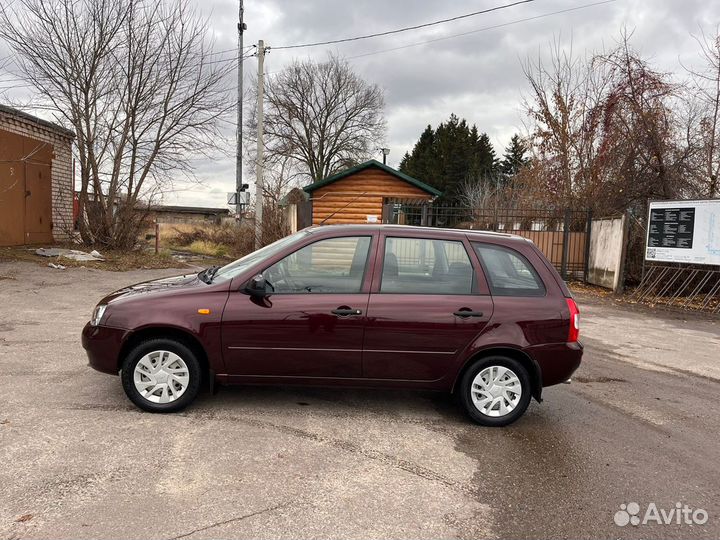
36,179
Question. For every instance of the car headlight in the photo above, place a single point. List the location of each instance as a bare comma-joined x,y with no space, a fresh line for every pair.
98,314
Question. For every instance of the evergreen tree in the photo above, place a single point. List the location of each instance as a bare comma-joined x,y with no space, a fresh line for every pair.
487,162
514,158
422,162
450,155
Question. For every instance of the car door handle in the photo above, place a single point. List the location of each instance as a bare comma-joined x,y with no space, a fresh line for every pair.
346,311
467,313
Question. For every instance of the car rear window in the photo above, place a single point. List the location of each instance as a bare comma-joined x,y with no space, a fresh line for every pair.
508,272
426,266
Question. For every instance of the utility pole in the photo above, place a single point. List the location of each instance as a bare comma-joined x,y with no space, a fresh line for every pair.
259,183
238,132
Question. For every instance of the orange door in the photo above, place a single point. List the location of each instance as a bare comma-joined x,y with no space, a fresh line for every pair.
38,192
12,190
38,204
12,204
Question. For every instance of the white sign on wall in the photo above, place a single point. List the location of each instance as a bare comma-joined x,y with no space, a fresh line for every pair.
684,232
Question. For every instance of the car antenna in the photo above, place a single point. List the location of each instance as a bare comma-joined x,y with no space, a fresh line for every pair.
343,208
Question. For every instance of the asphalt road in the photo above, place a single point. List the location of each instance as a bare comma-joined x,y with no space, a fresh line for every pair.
639,423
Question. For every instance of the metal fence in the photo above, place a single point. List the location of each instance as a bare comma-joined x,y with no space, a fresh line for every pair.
561,234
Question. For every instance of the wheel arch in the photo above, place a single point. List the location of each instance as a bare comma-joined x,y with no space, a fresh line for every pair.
516,354
167,332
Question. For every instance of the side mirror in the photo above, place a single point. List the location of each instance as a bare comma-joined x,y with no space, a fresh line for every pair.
257,287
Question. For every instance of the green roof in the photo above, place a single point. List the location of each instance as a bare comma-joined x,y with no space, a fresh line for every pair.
372,163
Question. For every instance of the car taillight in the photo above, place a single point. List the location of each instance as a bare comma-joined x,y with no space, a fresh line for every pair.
574,332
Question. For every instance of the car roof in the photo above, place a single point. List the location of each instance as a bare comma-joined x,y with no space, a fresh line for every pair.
471,233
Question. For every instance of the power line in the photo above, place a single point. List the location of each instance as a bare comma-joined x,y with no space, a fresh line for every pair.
405,29
232,59
484,29
245,49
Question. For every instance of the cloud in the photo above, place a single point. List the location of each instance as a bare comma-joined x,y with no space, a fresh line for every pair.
477,76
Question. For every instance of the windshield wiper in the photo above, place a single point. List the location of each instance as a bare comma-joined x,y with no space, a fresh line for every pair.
211,272
208,274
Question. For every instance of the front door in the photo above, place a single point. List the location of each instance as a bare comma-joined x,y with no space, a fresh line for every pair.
426,309
312,324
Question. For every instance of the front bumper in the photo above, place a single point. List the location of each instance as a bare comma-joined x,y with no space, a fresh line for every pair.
103,345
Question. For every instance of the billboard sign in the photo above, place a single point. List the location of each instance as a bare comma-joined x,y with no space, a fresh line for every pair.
684,232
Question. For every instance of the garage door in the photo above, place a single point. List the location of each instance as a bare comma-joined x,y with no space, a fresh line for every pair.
25,190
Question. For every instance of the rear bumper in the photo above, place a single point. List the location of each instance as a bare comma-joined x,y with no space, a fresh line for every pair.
103,345
557,361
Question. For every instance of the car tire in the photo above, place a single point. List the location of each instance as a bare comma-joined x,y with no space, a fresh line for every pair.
495,391
161,375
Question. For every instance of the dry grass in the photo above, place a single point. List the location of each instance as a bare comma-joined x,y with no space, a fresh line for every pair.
220,241
205,244
116,261
205,247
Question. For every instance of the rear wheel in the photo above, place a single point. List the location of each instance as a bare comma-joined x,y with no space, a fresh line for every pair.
495,391
161,375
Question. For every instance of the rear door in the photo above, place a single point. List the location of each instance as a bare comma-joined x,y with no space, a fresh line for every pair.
428,302
524,292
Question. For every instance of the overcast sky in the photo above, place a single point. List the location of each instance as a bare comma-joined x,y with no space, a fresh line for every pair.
477,76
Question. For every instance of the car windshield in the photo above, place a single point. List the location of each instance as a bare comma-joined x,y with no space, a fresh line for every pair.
235,268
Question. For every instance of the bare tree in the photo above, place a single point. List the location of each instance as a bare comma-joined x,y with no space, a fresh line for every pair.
642,147
135,80
565,93
606,133
704,116
279,180
321,117
477,195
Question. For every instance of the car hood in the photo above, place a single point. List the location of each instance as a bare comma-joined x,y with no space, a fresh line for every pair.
154,288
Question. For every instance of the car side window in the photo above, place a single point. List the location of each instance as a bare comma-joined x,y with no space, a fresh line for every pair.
426,266
508,272
333,265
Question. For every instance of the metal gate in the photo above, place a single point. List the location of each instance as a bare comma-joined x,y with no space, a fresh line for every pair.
561,234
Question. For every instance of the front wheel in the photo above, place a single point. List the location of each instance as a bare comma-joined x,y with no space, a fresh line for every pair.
495,391
161,375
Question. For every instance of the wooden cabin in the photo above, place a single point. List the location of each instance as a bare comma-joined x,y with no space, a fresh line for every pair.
357,195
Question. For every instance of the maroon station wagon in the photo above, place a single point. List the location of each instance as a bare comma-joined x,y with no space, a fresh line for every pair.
482,315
